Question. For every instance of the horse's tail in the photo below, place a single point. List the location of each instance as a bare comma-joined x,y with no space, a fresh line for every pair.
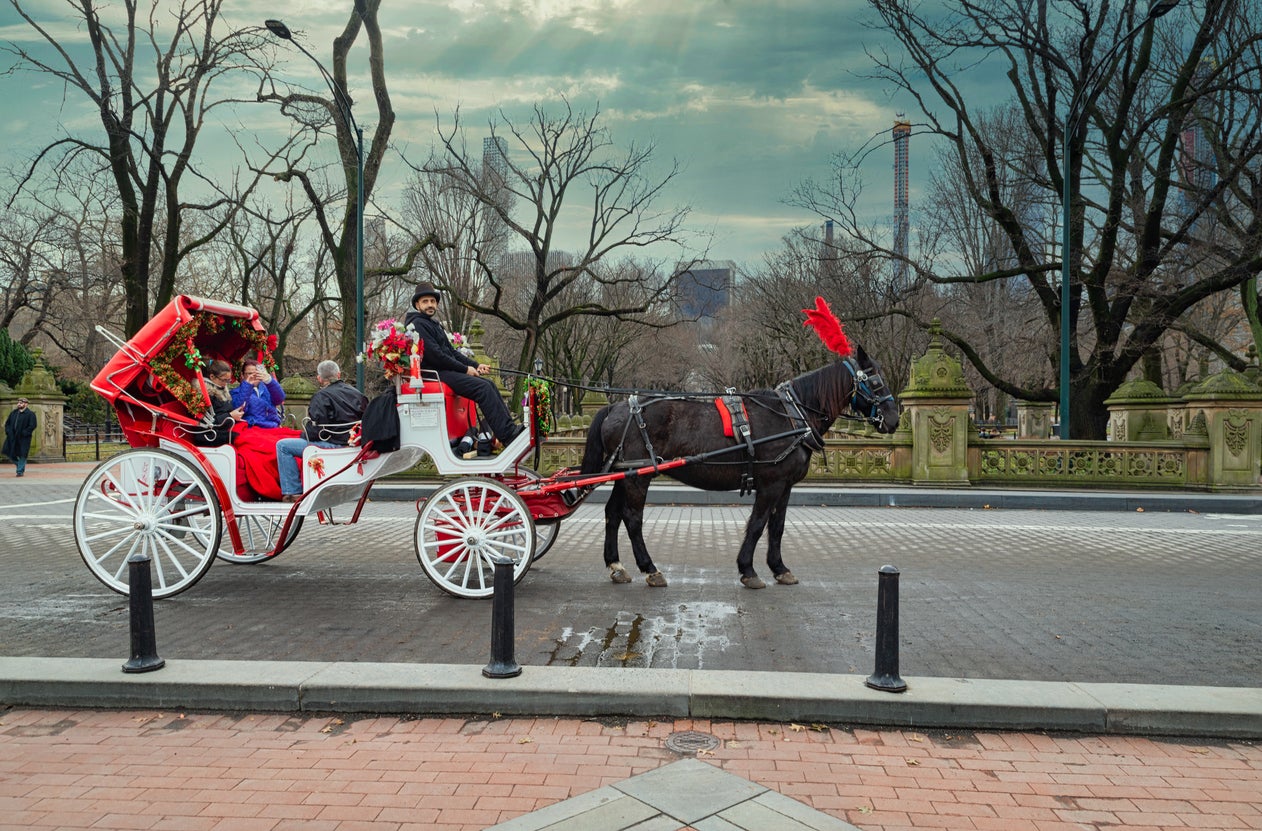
594,454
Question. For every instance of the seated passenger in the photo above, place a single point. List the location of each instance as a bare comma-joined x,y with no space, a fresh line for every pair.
217,423
332,411
260,394
460,372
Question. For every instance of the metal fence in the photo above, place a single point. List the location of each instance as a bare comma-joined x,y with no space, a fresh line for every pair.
82,441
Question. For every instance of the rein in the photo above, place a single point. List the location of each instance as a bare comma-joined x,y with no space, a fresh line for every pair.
863,392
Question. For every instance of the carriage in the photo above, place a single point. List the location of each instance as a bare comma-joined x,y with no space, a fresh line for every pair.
186,505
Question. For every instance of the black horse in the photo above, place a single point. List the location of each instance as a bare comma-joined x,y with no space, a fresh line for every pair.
785,426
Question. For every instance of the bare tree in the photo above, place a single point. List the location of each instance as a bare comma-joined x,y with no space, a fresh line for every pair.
1138,218
150,77
546,164
317,111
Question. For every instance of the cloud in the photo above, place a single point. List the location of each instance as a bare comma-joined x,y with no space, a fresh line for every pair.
751,96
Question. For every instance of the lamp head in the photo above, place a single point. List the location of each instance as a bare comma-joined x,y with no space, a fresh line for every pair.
1160,8
282,31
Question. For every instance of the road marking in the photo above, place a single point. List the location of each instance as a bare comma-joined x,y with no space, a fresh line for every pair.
35,504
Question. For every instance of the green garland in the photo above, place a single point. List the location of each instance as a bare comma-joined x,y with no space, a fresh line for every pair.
182,351
544,421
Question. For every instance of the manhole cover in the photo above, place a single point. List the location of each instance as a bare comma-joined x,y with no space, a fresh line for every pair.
688,742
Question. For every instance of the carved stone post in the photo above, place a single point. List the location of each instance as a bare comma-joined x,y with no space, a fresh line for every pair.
39,388
298,393
1231,408
1139,410
937,400
1034,419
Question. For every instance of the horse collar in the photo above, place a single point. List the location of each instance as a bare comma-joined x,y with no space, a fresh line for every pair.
797,415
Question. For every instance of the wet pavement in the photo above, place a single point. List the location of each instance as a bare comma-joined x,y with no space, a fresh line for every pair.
1102,597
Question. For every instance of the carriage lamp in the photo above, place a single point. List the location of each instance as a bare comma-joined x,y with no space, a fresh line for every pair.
343,102
1090,85
538,366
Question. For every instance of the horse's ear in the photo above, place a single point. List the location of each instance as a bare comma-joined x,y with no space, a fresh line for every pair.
860,355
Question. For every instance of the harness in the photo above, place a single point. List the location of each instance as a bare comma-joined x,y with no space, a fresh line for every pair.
736,425
797,416
864,389
735,420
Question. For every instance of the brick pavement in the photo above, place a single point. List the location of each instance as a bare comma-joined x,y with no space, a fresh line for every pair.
244,772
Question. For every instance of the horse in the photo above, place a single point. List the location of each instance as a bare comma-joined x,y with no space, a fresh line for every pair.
785,426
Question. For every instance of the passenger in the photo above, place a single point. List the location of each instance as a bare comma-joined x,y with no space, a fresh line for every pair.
463,374
260,394
334,408
217,424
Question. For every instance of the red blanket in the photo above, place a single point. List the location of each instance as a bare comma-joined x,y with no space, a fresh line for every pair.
257,474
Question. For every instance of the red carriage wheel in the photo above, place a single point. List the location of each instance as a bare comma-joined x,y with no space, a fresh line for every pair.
464,526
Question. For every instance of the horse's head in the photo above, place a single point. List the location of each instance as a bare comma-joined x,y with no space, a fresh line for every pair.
870,396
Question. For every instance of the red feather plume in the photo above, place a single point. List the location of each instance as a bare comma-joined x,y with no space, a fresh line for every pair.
828,327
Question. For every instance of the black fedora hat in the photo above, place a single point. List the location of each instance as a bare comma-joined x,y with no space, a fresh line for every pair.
426,290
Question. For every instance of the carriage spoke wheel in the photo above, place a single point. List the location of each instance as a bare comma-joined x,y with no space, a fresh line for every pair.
545,536
545,532
259,535
463,526
148,502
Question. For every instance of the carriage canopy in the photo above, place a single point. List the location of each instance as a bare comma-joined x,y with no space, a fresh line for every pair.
155,380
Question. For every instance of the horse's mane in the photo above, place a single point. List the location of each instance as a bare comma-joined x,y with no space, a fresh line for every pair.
826,389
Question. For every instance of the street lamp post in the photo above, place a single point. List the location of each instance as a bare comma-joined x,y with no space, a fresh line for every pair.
343,102
1156,10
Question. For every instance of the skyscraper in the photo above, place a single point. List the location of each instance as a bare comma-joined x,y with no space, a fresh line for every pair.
705,289
495,157
902,218
1197,168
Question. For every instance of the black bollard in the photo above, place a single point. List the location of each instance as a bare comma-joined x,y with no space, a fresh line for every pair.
885,677
144,643
503,664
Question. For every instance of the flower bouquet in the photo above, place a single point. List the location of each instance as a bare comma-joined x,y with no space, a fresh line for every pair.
388,343
460,343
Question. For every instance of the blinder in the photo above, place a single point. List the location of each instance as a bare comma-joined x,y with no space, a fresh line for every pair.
866,393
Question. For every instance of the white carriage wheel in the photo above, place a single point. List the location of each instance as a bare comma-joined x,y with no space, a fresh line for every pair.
463,525
259,534
148,502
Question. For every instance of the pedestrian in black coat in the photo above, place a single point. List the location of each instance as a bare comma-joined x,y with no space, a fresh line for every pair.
19,427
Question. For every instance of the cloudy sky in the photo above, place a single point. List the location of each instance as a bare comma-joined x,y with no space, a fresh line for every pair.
750,96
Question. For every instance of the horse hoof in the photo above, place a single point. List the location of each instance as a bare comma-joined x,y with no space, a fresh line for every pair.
657,580
786,579
618,574
753,583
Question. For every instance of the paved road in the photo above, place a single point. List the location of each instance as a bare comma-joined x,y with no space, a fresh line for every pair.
1161,598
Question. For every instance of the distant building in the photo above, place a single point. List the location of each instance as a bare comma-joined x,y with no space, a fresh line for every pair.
495,158
902,214
706,288
1197,168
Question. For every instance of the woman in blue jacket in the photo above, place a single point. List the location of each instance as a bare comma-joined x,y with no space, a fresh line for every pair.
260,394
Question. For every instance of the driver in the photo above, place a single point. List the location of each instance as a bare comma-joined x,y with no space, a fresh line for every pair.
463,374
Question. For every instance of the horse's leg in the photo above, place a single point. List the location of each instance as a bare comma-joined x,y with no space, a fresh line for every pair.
613,519
637,492
775,532
764,503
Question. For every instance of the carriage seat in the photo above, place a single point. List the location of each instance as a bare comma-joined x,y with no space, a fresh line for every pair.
461,413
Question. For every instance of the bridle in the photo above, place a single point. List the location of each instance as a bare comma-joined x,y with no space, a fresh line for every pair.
865,393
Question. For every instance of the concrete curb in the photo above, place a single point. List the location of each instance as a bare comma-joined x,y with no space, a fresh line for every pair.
275,686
